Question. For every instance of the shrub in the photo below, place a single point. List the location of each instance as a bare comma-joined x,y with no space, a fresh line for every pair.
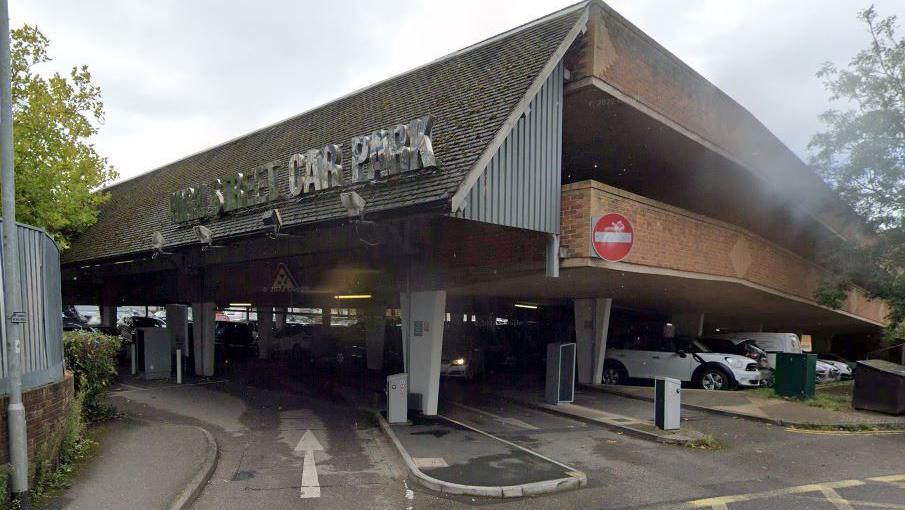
92,359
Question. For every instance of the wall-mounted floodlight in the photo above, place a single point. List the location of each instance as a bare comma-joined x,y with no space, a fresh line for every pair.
272,217
354,204
158,243
206,236
352,296
529,306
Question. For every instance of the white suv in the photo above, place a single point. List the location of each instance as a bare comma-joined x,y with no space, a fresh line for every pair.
681,358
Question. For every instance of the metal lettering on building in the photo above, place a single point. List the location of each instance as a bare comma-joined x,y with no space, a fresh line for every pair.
381,154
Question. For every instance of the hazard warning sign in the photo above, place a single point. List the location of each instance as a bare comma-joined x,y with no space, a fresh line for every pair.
612,236
283,280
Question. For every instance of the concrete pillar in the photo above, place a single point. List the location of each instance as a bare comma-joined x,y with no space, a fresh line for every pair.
279,317
204,327
265,331
375,333
108,315
592,324
422,321
602,308
688,324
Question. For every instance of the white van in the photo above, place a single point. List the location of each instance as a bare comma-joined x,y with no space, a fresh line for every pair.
770,342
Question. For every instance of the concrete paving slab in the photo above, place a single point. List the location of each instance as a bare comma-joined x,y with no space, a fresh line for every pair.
450,457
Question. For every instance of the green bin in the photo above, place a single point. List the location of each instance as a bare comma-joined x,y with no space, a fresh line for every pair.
796,375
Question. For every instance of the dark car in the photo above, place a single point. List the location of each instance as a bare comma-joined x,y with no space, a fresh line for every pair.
75,325
237,339
128,325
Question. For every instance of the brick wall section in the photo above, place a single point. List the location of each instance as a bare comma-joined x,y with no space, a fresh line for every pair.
671,238
469,251
622,56
46,408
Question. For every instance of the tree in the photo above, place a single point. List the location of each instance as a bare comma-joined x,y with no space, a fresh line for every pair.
58,170
862,155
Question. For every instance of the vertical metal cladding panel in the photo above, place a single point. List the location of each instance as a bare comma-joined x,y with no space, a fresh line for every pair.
42,337
520,187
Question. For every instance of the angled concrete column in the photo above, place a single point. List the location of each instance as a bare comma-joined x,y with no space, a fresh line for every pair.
279,317
422,321
592,322
204,326
265,331
108,315
375,333
688,323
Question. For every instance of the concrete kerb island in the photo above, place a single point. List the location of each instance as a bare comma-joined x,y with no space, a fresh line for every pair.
638,428
574,479
194,487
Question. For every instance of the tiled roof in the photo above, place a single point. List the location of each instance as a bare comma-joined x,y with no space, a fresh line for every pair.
470,93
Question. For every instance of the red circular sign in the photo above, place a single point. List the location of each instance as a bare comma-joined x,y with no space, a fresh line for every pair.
612,237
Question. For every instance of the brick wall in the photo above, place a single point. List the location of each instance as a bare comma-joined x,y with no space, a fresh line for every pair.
671,238
623,57
470,251
46,408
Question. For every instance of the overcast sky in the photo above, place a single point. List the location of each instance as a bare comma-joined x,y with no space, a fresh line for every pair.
178,76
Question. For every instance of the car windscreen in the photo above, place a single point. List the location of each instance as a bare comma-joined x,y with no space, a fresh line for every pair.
691,345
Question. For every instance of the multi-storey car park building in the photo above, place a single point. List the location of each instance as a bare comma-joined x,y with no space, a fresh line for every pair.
571,166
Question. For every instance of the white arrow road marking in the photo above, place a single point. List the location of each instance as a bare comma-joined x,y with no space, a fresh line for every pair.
311,487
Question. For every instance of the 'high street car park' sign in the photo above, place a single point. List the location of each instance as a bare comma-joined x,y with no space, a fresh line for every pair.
381,154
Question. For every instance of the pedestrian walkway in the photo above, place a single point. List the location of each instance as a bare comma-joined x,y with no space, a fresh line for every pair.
747,404
127,471
450,457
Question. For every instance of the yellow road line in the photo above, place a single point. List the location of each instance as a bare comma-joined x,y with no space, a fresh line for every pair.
844,432
837,500
897,480
815,487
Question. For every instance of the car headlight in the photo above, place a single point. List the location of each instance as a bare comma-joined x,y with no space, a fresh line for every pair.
734,363
458,361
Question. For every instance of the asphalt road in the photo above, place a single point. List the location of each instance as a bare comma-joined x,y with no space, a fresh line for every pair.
761,466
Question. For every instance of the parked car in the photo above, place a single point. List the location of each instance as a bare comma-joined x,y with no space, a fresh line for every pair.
826,372
128,325
844,367
745,348
236,339
463,355
770,342
294,342
70,324
683,358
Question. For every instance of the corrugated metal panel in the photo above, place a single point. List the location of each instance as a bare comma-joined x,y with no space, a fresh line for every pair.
42,334
520,187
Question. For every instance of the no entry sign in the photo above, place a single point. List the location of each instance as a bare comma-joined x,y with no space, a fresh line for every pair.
612,236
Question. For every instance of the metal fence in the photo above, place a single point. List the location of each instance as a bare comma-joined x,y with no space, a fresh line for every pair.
42,335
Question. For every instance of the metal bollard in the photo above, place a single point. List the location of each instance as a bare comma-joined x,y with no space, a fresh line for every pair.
134,371
178,366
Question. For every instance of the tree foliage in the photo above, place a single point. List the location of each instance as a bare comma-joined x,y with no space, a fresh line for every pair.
58,170
862,155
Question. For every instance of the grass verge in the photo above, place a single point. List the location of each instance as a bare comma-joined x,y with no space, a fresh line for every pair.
708,442
46,478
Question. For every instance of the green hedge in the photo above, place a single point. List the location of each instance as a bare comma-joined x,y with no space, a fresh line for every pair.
92,359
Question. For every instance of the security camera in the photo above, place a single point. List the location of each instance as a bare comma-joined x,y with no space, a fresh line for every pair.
354,204
206,236
158,243
273,218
